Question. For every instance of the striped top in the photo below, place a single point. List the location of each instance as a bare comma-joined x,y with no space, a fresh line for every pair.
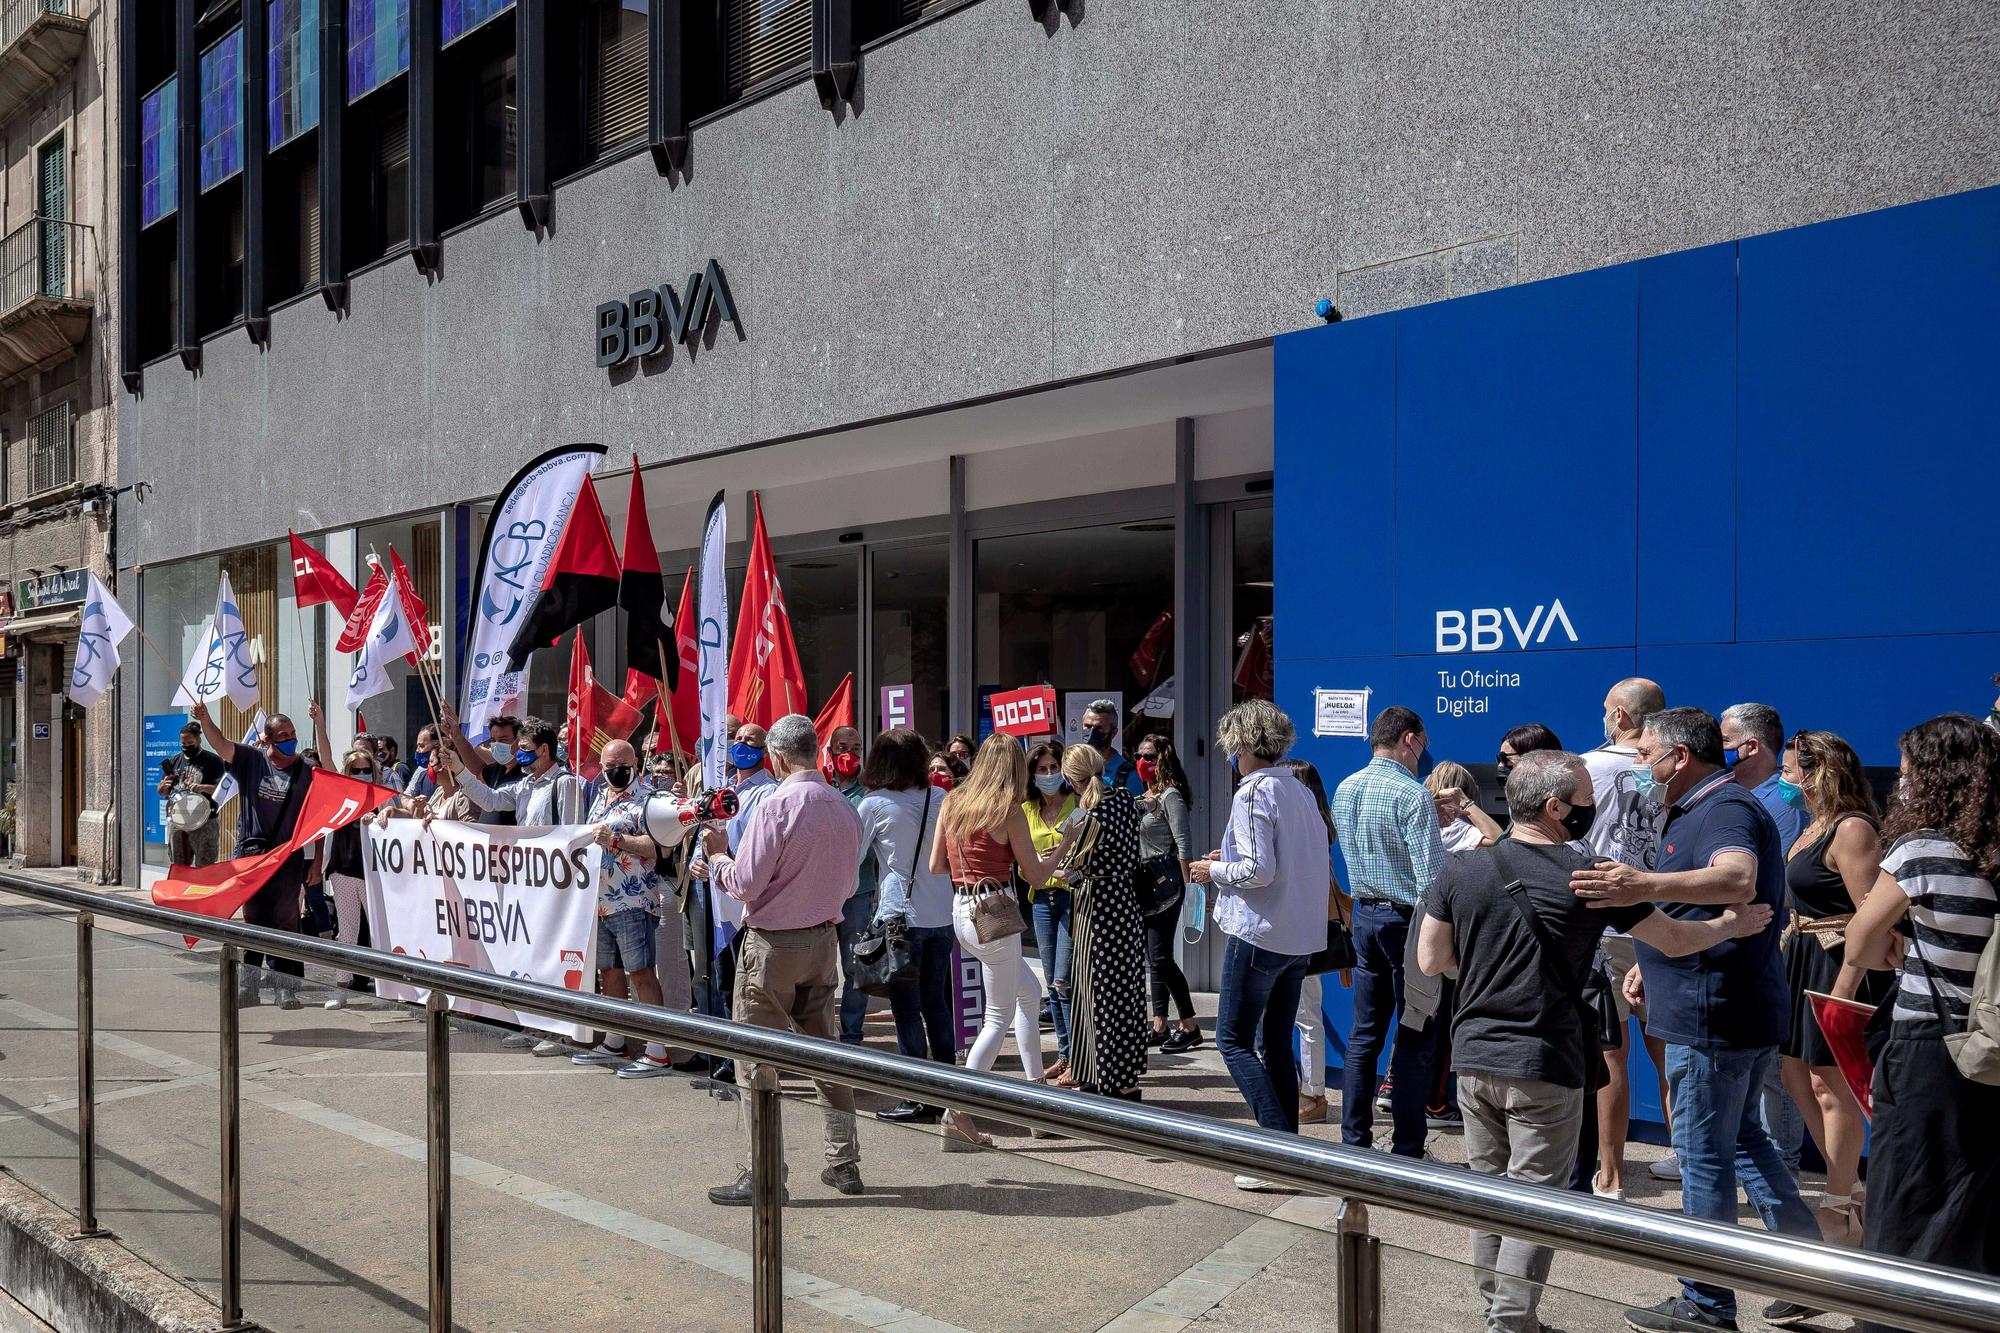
1952,909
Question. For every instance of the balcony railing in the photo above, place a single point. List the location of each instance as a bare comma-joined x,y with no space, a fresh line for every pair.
19,15
40,42
46,259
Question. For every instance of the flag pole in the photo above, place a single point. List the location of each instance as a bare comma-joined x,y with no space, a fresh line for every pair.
666,703
305,649
157,653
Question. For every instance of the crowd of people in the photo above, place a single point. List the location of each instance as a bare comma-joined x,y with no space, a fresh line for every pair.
1706,874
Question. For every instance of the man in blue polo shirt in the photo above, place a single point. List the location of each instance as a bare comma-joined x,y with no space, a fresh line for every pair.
1723,1011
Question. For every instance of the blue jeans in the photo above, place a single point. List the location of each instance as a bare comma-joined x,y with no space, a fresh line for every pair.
854,918
1259,1000
1780,1117
1381,934
925,1025
627,940
1720,1140
1051,911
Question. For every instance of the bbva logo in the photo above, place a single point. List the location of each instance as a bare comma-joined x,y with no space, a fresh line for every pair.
1480,630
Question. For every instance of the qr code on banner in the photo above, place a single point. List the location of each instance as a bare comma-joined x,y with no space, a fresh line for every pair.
476,692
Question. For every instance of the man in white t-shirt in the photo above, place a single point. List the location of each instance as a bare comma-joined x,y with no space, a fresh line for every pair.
1626,830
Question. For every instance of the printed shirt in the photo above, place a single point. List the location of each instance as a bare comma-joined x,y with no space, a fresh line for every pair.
796,865
1387,826
625,882
1732,995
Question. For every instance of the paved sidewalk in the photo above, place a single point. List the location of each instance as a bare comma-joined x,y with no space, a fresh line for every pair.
580,1198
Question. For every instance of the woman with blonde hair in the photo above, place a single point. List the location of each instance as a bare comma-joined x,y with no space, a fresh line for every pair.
982,836
1107,1030
1462,825
1828,872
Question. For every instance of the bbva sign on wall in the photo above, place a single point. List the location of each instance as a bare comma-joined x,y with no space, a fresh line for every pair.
654,319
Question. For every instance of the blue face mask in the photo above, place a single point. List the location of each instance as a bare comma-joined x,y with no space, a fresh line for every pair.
1645,783
1048,783
1194,913
286,748
1729,758
1792,794
746,757
1233,768
524,757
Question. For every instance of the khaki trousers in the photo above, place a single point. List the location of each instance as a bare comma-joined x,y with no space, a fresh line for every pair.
789,980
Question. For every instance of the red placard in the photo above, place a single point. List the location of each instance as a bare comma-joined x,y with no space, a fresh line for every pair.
1030,711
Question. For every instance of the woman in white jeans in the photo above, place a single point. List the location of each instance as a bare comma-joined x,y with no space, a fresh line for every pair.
982,836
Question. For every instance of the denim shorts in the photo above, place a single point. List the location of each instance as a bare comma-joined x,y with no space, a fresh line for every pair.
627,941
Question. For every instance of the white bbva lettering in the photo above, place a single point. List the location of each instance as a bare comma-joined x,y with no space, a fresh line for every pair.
1480,630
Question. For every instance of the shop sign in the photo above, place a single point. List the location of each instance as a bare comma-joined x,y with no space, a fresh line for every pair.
63,588
41,731
653,320
1025,712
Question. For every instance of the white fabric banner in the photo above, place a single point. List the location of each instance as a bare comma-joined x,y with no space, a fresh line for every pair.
389,638
509,901
521,538
225,790
712,638
103,627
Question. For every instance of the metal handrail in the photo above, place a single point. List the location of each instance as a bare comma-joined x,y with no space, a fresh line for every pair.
46,257
20,15
1892,1291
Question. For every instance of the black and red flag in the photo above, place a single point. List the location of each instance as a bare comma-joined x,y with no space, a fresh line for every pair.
582,580
642,595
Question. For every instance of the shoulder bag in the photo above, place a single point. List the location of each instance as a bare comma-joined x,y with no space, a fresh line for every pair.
1338,955
996,912
1596,1010
884,957
1157,881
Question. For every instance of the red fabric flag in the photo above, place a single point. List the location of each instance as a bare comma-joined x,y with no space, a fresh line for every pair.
414,610
686,694
839,710
582,579
332,801
355,632
582,713
1152,650
1844,1024
642,595
315,580
765,678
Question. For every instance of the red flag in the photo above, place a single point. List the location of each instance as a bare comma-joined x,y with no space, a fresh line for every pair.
765,678
686,694
1152,650
582,579
414,610
355,632
642,595
315,580
332,801
596,716
839,710
1844,1024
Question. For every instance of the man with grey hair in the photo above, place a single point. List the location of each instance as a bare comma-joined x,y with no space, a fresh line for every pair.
1100,733
793,871
1523,1040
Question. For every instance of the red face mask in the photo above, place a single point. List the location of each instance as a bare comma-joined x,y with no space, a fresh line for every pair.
847,765
943,781
1148,770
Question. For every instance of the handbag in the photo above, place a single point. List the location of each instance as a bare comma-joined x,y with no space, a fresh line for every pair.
1338,955
884,956
1157,884
320,917
996,913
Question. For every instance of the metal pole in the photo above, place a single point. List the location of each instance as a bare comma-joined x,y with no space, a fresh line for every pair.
232,1142
437,1154
86,1082
1358,1272
767,1186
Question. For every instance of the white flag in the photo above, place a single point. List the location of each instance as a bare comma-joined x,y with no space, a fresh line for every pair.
225,790
221,664
712,641
104,627
388,639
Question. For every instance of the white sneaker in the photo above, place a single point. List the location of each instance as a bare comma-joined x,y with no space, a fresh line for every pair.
516,1041
599,1055
339,1000
1667,1168
549,1046
1253,1184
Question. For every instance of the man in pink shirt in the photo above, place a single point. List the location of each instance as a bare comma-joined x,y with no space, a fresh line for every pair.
793,872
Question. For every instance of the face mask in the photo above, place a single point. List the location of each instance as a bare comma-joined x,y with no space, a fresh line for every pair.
524,757
1194,913
422,759
1100,737
746,757
1610,731
1233,768
1729,758
1048,783
286,748
1792,794
1649,787
1578,821
942,781
847,765
1149,770
191,750
619,776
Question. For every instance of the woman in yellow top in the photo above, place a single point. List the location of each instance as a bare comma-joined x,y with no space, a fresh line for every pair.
1049,803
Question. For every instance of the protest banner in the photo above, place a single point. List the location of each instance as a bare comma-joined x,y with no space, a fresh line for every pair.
512,902
1030,711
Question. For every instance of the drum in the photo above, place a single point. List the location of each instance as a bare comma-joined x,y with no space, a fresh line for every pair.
187,811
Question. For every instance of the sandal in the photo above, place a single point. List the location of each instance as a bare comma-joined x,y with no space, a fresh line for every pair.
1055,1071
1845,1212
959,1135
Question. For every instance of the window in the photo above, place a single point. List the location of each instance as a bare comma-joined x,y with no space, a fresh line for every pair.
389,192
907,638
222,109
159,129
51,450
462,16
52,203
763,39
617,74
378,44
496,146
478,108
294,66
